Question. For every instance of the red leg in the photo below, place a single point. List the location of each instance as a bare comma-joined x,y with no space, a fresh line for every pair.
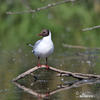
47,94
47,63
39,97
38,64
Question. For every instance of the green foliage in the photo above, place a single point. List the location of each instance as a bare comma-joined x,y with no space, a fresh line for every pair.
65,19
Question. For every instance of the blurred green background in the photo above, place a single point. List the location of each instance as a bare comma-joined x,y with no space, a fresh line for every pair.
65,21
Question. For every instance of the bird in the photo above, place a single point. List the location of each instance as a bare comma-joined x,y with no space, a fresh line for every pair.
43,47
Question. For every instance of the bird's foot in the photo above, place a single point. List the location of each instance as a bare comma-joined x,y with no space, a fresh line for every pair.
47,94
47,66
39,65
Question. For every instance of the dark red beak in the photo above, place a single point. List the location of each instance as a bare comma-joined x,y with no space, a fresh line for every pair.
40,34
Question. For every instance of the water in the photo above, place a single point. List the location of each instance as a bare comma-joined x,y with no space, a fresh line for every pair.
44,84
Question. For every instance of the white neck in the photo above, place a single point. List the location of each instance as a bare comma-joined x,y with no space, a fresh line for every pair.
47,37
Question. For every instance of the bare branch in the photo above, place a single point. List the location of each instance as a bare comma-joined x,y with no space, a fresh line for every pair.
91,28
64,73
77,47
74,46
25,73
41,8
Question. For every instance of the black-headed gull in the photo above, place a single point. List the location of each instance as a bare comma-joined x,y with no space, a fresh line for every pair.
44,47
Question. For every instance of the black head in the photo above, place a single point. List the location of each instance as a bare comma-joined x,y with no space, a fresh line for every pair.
44,33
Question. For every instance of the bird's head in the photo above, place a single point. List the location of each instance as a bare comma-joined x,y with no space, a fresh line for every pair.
44,33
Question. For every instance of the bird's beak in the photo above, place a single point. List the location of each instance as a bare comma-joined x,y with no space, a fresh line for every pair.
40,34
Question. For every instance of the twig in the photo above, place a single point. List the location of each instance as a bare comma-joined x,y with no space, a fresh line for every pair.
91,28
77,47
25,73
64,73
74,46
41,8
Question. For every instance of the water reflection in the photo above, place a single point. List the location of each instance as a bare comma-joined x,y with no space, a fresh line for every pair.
60,88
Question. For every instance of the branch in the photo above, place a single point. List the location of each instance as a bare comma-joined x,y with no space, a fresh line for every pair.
41,8
25,73
77,47
91,28
74,46
62,73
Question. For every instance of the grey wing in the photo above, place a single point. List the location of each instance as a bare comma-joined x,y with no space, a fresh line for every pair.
36,44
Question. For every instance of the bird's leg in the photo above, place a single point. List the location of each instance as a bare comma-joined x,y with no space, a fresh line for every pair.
47,63
38,64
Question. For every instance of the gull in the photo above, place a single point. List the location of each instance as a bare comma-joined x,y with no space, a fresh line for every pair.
44,47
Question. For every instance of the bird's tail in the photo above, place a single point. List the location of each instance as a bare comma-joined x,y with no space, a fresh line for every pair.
30,45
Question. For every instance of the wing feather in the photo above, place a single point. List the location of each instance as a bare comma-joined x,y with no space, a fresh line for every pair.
36,44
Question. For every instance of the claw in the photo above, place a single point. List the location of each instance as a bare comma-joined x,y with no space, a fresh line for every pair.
47,66
47,94
39,65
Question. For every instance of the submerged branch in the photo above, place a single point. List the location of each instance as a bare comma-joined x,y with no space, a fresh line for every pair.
61,73
41,8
